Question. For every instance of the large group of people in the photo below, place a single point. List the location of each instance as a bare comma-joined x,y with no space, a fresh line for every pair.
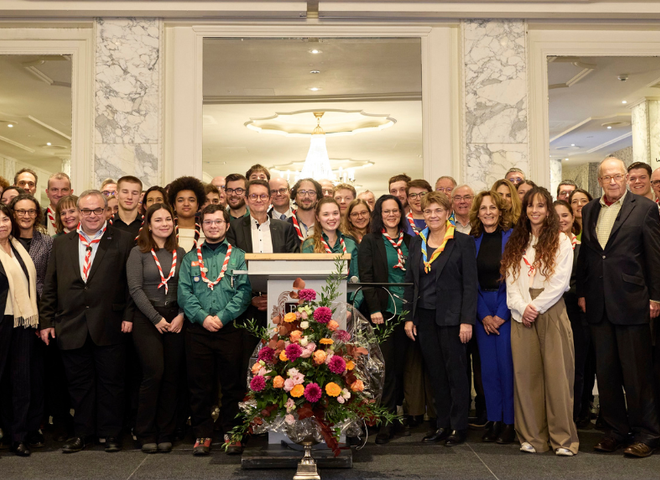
124,305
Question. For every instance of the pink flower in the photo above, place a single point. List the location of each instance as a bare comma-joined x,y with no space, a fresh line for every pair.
306,353
340,399
342,336
267,354
337,365
290,419
313,392
288,385
307,295
298,378
304,315
329,357
258,383
293,351
290,405
323,314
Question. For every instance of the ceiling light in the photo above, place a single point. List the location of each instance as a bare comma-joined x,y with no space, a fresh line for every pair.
566,159
48,143
572,144
609,127
315,51
317,163
314,72
314,89
624,102
10,125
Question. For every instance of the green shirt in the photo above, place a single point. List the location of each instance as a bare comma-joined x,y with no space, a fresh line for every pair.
351,247
395,275
228,299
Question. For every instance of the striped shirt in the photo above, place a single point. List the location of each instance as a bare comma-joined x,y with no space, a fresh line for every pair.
606,219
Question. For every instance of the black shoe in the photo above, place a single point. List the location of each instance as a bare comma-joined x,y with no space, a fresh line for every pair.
507,435
415,420
165,447
20,449
456,438
384,435
438,436
112,445
74,444
150,447
401,428
36,440
479,421
492,432
584,422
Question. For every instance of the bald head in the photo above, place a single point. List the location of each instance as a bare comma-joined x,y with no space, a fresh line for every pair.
612,178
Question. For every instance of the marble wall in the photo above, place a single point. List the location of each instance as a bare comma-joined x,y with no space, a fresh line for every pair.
128,112
585,175
495,93
555,174
624,154
646,132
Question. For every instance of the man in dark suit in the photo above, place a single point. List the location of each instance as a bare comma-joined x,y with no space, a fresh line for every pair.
618,286
258,233
86,308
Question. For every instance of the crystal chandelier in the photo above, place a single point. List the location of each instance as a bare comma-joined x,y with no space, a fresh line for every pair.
317,163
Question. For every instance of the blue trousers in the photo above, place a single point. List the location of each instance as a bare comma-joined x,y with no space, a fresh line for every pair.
496,366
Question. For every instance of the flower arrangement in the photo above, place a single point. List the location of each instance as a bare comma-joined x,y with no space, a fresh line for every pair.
309,368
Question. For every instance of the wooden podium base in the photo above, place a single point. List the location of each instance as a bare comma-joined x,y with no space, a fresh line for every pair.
288,456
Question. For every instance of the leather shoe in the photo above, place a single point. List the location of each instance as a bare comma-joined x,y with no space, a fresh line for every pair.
492,432
150,447
384,435
112,445
36,440
608,444
507,435
21,449
438,436
74,444
639,450
456,438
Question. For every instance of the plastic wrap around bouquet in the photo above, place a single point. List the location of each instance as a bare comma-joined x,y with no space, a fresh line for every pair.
313,380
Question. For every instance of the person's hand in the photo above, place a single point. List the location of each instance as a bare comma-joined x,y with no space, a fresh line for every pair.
490,325
655,309
260,302
527,323
498,321
465,333
411,330
377,318
46,334
582,303
177,324
126,327
217,319
163,326
212,324
530,313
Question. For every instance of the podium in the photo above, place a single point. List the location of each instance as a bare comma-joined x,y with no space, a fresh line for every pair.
275,275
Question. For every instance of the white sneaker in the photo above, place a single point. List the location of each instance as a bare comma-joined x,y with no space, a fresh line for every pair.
527,448
564,452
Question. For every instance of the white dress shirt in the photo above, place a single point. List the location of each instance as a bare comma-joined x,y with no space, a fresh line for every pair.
262,241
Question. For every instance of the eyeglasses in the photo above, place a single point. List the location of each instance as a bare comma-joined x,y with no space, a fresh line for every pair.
254,197
437,211
467,198
222,187
359,214
237,191
417,195
281,191
108,193
655,182
308,193
443,190
609,178
208,223
515,180
26,213
328,191
86,212
387,213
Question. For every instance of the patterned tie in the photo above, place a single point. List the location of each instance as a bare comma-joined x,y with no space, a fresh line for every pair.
283,216
87,264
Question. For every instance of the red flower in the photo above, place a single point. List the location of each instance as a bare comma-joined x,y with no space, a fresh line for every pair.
313,392
293,351
323,314
307,295
267,354
258,383
337,365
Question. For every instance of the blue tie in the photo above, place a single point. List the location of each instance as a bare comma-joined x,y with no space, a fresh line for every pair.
283,216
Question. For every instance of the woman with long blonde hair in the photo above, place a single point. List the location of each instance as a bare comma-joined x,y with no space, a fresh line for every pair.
509,193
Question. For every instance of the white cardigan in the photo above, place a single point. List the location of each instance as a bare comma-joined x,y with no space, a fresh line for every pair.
517,291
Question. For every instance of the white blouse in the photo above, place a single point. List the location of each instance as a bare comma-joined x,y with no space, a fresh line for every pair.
517,291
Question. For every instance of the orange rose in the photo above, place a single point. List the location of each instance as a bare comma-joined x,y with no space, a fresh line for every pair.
350,365
319,357
297,391
332,389
357,386
283,356
255,368
326,341
290,317
332,325
295,336
278,382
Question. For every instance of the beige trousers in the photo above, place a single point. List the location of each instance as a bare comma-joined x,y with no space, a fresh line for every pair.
543,373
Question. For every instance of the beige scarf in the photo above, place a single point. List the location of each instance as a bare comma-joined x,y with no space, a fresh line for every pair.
23,305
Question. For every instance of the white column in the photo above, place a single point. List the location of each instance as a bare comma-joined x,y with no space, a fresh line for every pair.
555,175
646,132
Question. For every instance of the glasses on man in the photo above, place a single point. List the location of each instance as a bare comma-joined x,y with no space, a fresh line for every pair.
88,212
466,198
237,191
446,191
281,191
655,183
217,223
108,193
609,178
26,213
417,195
254,197
307,193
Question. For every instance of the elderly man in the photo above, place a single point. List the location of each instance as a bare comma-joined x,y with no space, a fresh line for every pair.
219,182
280,198
564,189
639,179
618,286
445,184
515,176
369,197
461,201
327,188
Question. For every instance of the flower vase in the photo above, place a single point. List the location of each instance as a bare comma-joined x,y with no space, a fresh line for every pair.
306,433
307,466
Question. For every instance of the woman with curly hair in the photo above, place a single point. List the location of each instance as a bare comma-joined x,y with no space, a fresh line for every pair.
537,264
509,193
186,195
357,220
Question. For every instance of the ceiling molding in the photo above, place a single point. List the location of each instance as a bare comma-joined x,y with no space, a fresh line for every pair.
240,99
610,142
16,144
52,129
587,120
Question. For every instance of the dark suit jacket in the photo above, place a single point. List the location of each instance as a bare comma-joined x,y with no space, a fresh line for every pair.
502,309
456,281
282,233
372,267
619,280
75,308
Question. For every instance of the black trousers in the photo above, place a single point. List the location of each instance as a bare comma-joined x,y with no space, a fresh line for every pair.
163,365
394,353
446,361
581,345
58,402
96,377
211,356
21,370
624,357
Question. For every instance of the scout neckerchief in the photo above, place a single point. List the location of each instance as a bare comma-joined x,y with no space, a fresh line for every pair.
198,230
411,221
327,247
203,269
51,217
88,250
296,225
397,247
163,280
449,234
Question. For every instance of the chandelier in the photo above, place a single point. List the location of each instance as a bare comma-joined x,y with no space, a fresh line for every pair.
317,162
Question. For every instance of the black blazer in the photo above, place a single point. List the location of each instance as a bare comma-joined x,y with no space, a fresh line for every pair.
620,279
75,308
372,267
282,233
456,281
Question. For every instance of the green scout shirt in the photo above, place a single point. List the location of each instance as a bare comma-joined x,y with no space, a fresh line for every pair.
351,247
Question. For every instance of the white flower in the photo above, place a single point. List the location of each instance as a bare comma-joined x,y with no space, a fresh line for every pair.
290,419
346,394
291,372
304,341
304,325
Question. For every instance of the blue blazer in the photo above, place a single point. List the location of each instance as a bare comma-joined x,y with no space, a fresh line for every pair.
502,309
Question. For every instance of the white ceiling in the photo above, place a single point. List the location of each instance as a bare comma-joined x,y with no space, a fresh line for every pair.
579,113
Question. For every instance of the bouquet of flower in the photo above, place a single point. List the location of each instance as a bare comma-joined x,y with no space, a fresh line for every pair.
309,368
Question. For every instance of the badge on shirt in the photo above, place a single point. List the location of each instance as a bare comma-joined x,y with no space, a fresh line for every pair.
194,264
204,269
196,279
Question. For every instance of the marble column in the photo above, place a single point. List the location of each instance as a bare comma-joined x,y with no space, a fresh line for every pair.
8,168
555,175
128,107
646,132
495,92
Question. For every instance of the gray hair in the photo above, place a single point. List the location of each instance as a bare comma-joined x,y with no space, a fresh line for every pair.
607,159
90,193
465,185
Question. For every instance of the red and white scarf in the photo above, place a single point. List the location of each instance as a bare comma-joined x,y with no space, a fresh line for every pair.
50,213
203,269
329,250
87,264
397,247
411,221
296,225
163,280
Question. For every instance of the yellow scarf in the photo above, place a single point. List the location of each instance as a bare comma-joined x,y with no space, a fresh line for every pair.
449,234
